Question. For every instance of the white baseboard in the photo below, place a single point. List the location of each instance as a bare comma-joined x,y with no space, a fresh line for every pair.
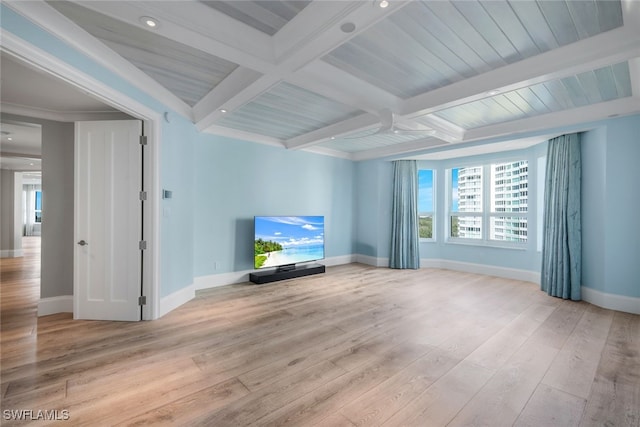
11,253
489,270
223,279
176,299
611,301
370,260
54,305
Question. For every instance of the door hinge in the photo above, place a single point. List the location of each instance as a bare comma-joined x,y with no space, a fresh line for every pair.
143,140
142,300
143,195
143,245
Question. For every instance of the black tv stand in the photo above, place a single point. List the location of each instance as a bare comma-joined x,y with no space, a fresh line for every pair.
261,277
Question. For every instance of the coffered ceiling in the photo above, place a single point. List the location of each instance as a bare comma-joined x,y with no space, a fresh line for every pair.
354,79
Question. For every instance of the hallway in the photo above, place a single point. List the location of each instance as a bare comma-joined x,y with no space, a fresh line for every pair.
20,292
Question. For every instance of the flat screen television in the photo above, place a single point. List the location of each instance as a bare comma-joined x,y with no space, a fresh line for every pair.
284,241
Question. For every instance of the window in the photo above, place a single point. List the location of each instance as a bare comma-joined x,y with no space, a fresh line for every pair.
425,203
490,202
466,203
511,198
38,206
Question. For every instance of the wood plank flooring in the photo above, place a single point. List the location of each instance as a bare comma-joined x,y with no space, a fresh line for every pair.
357,346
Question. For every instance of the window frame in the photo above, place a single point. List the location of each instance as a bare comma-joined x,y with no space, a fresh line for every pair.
485,213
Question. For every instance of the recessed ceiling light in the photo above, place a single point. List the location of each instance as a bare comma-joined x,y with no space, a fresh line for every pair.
222,110
383,4
333,137
10,139
493,92
149,21
348,27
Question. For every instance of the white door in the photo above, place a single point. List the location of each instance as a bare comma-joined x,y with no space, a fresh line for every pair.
108,220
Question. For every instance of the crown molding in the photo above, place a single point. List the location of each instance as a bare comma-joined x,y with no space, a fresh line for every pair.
61,116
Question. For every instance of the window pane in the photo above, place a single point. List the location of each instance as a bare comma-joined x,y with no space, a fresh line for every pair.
426,227
509,186
466,227
38,201
509,229
466,189
425,190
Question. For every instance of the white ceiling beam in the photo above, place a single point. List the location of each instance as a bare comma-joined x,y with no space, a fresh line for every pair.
330,81
210,113
197,26
581,56
634,74
594,112
244,136
631,19
402,148
361,122
207,110
306,38
54,22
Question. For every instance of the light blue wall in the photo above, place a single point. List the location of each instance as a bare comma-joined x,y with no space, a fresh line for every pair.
237,180
179,138
610,202
373,208
593,146
622,250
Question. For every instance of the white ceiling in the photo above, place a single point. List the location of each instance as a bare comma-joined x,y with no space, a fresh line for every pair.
352,79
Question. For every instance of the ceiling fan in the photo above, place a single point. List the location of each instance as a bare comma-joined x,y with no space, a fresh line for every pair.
389,126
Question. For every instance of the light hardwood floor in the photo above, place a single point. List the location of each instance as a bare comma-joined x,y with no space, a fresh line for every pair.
355,346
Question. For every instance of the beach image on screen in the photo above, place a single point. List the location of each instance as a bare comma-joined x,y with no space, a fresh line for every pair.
288,240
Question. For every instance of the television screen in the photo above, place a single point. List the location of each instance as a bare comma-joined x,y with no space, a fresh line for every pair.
287,240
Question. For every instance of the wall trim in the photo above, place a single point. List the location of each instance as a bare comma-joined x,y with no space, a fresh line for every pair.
489,270
371,260
54,305
11,253
611,301
234,277
176,299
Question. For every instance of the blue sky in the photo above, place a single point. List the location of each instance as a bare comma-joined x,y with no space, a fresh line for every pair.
454,190
425,189
290,230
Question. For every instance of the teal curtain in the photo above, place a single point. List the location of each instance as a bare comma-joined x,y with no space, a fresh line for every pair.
562,241
405,250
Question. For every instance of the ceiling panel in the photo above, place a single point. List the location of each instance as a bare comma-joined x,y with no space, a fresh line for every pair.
588,88
428,45
187,72
287,111
268,16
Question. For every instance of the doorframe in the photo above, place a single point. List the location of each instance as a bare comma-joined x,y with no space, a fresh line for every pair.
152,122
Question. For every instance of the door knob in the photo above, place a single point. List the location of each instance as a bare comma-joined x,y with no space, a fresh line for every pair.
82,243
